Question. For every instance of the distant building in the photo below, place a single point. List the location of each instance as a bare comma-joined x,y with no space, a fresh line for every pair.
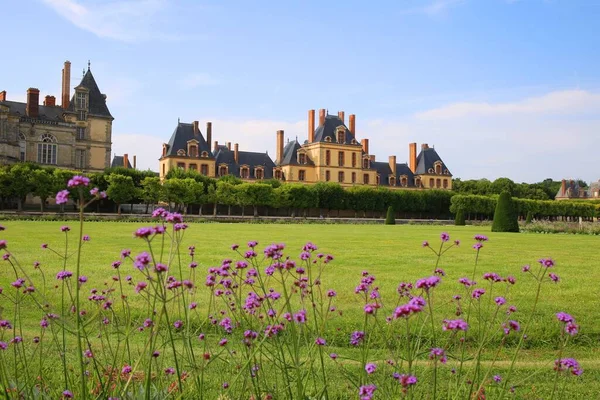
331,154
123,161
76,134
570,190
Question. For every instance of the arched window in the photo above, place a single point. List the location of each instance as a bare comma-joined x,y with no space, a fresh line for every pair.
258,173
418,182
204,154
327,157
353,160
22,146
301,158
446,184
377,180
366,163
366,179
244,173
204,169
193,150
47,149
403,181
222,170
277,174
431,182
392,181
328,139
341,136
438,168
181,152
438,183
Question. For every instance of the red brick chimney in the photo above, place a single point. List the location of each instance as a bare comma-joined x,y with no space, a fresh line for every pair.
424,146
365,145
125,160
279,154
342,116
134,162
216,146
372,158
321,116
208,132
352,123
236,149
412,157
563,187
196,128
33,103
393,164
3,95
229,146
50,101
311,126
66,85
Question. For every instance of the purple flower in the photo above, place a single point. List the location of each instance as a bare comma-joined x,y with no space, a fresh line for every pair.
405,380
140,286
222,342
356,338
178,324
333,356
525,268
62,197
511,326
425,243
300,317
477,246
553,277
571,328
65,228
78,180
455,325
225,385
437,353
2,244
67,394
83,279
428,283
125,253
169,371
144,232
565,364
331,293
497,378
142,260
564,317
481,238
370,368
234,247
126,369
3,345
500,301
320,341
366,392
62,275
86,238
88,353
546,262
252,244
444,236
477,293
5,324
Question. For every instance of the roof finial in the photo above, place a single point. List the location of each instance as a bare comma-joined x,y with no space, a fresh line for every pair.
178,120
83,72
88,65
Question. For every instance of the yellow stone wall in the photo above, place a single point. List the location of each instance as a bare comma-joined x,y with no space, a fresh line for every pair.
167,163
426,181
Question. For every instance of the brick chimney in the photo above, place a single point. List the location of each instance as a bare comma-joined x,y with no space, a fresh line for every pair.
3,95
342,116
412,157
236,149
563,187
196,128
311,126
50,101
216,146
352,123
393,164
125,160
372,158
134,162
208,132
424,146
365,145
66,85
33,103
279,154
229,146
321,116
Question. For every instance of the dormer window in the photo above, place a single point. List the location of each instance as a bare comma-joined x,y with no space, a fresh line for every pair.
301,158
258,173
403,181
430,171
341,136
354,141
392,181
278,174
418,182
222,170
181,152
81,100
328,139
244,172
193,150
365,163
204,154
81,115
438,168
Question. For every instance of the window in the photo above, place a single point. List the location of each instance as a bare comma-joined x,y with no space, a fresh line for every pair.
301,175
222,170
327,176
431,182
341,159
354,177
193,167
244,173
301,158
353,160
446,186
438,169
181,165
277,174
341,136
366,179
164,150
377,180
438,183
204,154
47,149
22,147
418,182
328,139
327,157
81,115
80,159
366,163
193,151
341,176
164,169
181,152
392,181
258,173
81,101
204,169
403,181
80,133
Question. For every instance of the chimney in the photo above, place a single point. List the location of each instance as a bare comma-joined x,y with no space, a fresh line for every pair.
134,162
352,123
372,158
321,116
3,95
236,148
216,146
424,146
229,146
279,154
33,103
311,126
393,164
208,132
125,160
563,187
66,84
196,128
412,157
365,145
342,116
50,101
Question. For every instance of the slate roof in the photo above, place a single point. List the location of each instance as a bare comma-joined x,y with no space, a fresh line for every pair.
249,158
181,135
328,129
290,152
96,102
426,159
384,170
48,113
117,161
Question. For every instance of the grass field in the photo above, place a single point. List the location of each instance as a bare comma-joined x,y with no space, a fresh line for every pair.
393,254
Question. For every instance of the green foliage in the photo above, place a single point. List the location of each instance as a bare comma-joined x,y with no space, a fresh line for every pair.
529,217
151,190
459,219
390,218
255,194
234,180
121,189
505,216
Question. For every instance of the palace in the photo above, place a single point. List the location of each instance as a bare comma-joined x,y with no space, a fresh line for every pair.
76,134
330,154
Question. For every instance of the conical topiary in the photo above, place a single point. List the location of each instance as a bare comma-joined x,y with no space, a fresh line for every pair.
459,219
529,217
505,216
390,218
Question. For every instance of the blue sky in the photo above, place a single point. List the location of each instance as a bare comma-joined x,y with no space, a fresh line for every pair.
500,87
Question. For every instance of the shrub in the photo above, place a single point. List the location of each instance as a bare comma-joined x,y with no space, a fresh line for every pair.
505,216
459,219
529,217
390,218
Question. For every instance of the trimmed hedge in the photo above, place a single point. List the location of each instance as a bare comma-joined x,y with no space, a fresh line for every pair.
459,220
505,216
390,218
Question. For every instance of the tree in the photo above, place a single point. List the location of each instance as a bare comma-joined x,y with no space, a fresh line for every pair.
121,189
255,194
504,185
505,216
21,183
151,190
390,218
459,219
226,194
43,185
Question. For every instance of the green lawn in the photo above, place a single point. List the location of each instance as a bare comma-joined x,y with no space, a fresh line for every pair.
392,253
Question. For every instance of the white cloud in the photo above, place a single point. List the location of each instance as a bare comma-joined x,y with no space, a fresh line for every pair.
196,80
128,21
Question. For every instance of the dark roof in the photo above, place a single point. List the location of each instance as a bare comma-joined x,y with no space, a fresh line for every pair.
290,152
96,101
572,190
117,161
249,158
427,157
181,135
328,129
49,113
384,171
